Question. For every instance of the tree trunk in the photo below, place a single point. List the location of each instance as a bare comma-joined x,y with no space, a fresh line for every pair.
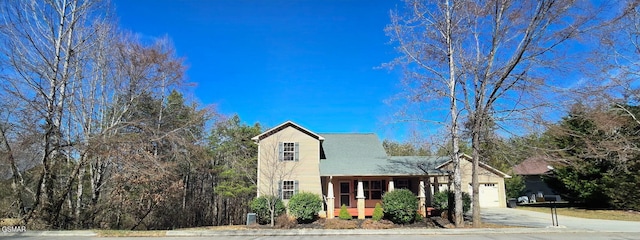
474,178
453,108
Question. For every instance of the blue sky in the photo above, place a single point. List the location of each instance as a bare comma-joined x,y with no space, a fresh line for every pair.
312,62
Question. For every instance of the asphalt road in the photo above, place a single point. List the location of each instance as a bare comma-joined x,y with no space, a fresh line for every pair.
563,236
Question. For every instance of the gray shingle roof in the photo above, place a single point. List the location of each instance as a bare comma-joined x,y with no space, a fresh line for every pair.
362,154
417,164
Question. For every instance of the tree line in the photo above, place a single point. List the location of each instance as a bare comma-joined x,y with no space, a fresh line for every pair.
96,132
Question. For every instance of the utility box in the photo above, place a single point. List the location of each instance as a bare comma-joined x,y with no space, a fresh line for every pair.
251,218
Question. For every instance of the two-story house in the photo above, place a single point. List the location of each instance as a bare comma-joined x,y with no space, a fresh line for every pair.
353,169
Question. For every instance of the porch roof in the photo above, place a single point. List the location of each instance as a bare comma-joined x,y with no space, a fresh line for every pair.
353,154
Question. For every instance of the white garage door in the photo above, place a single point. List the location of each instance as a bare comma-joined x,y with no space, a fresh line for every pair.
488,194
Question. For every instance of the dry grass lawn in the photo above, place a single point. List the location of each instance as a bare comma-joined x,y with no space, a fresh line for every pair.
128,233
5,222
592,214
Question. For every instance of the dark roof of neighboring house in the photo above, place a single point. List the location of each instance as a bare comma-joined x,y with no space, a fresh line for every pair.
537,165
362,154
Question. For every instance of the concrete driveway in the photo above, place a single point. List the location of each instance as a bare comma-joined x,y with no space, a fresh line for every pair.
523,218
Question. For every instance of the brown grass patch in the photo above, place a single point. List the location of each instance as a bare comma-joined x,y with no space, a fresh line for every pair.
128,233
340,224
591,214
6,222
382,224
219,228
285,221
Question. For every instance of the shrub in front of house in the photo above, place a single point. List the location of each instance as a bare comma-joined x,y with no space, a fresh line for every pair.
442,199
418,217
344,213
378,213
260,206
305,206
400,206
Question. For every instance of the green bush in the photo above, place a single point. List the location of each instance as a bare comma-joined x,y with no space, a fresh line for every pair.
418,217
400,206
377,212
305,206
344,214
260,206
441,200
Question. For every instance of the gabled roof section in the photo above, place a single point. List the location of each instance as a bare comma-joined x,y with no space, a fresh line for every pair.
283,126
352,154
362,154
481,164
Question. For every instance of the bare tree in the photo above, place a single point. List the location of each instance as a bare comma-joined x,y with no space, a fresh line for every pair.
83,94
615,63
43,45
491,56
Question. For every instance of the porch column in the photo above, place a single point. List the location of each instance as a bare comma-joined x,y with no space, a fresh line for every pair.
422,199
436,185
331,204
429,192
391,187
360,197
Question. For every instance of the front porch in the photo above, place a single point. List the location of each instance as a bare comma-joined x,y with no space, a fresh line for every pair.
360,194
368,212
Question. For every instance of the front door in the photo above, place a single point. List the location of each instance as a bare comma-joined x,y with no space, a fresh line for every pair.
345,194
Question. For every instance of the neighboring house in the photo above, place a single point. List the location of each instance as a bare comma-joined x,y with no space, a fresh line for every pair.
532,170
354,170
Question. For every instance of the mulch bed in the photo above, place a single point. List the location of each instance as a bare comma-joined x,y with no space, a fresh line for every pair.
358,224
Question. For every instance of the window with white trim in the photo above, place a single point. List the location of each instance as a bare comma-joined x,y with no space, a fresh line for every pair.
288,189
288,151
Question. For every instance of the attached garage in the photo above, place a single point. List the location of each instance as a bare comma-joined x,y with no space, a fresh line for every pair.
491,182
489,194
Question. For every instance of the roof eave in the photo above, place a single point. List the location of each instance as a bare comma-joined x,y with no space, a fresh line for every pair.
275,129
490,168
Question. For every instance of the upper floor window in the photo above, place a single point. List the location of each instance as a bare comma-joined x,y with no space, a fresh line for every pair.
288,151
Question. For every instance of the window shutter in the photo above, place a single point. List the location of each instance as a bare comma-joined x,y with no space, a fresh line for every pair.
280,190
295,187
297,150
280,152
